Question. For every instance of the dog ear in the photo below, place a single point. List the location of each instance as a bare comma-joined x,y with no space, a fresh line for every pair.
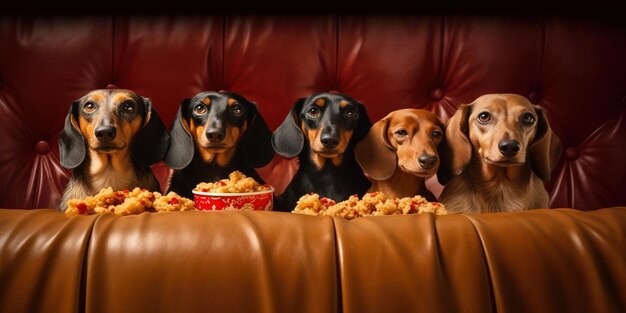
456,149
72,144
288,139
364,124
545,149
255,144
151,142
181,149
375,154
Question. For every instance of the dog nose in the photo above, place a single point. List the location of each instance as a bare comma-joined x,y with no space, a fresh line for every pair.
106,133
509,148
329,141
215,135
427,161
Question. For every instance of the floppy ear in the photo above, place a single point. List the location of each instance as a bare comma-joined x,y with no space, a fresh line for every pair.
455,150
363,126
288,139
72,144
545,149
255,144
151,142
375,154
180,151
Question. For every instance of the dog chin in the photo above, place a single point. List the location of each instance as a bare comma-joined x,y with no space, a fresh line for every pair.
216,149
503,162
107,149
419,173
328,154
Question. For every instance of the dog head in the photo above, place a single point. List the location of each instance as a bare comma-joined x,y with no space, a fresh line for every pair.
110,121
329,123
219,123
501,130
407,139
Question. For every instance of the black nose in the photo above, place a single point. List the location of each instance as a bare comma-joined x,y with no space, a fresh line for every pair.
509,148
427,161
215,135
329,141
105,133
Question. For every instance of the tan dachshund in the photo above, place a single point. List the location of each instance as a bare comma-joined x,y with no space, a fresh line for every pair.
110,139
400,152
496,154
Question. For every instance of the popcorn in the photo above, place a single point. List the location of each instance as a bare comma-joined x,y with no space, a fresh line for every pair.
127,202
372,204
236,182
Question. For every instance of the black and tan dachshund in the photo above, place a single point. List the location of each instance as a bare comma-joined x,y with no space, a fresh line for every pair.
214,134
322,130
110,139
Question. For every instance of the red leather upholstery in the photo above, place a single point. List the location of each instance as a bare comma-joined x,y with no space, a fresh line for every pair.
572,67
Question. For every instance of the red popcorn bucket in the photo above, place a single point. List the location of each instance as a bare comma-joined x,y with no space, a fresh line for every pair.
211,201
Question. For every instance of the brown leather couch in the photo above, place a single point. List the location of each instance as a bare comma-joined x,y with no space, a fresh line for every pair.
548,260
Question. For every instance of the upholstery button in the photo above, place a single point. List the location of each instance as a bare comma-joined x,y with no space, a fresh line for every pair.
436,94
534,97
42,147
571,153
112,86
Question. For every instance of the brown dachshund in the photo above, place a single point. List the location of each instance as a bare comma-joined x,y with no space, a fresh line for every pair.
400,152
495,155
110,139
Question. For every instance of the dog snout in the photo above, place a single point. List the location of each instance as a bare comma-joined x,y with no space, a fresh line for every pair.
427,161
329,141
105,133
509,148
329,138
215,135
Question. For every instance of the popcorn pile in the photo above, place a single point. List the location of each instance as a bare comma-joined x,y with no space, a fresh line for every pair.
236,182
127,202
372,204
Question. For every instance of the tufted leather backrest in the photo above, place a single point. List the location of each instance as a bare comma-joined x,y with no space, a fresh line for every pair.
572,67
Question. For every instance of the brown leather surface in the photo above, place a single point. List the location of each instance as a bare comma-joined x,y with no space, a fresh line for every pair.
212,262
42,258
412,264
536,261
556,261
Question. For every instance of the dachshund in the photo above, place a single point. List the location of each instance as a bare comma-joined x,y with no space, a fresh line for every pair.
214,134
495,155
322,130
400,152
110,139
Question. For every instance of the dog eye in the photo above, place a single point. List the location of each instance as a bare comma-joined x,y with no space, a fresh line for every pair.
128,106
437,134
484,117
313,112
401,133
89,107
528,119
236,109
199,109
349,114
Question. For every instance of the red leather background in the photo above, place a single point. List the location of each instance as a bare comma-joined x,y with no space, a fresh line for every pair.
574,67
